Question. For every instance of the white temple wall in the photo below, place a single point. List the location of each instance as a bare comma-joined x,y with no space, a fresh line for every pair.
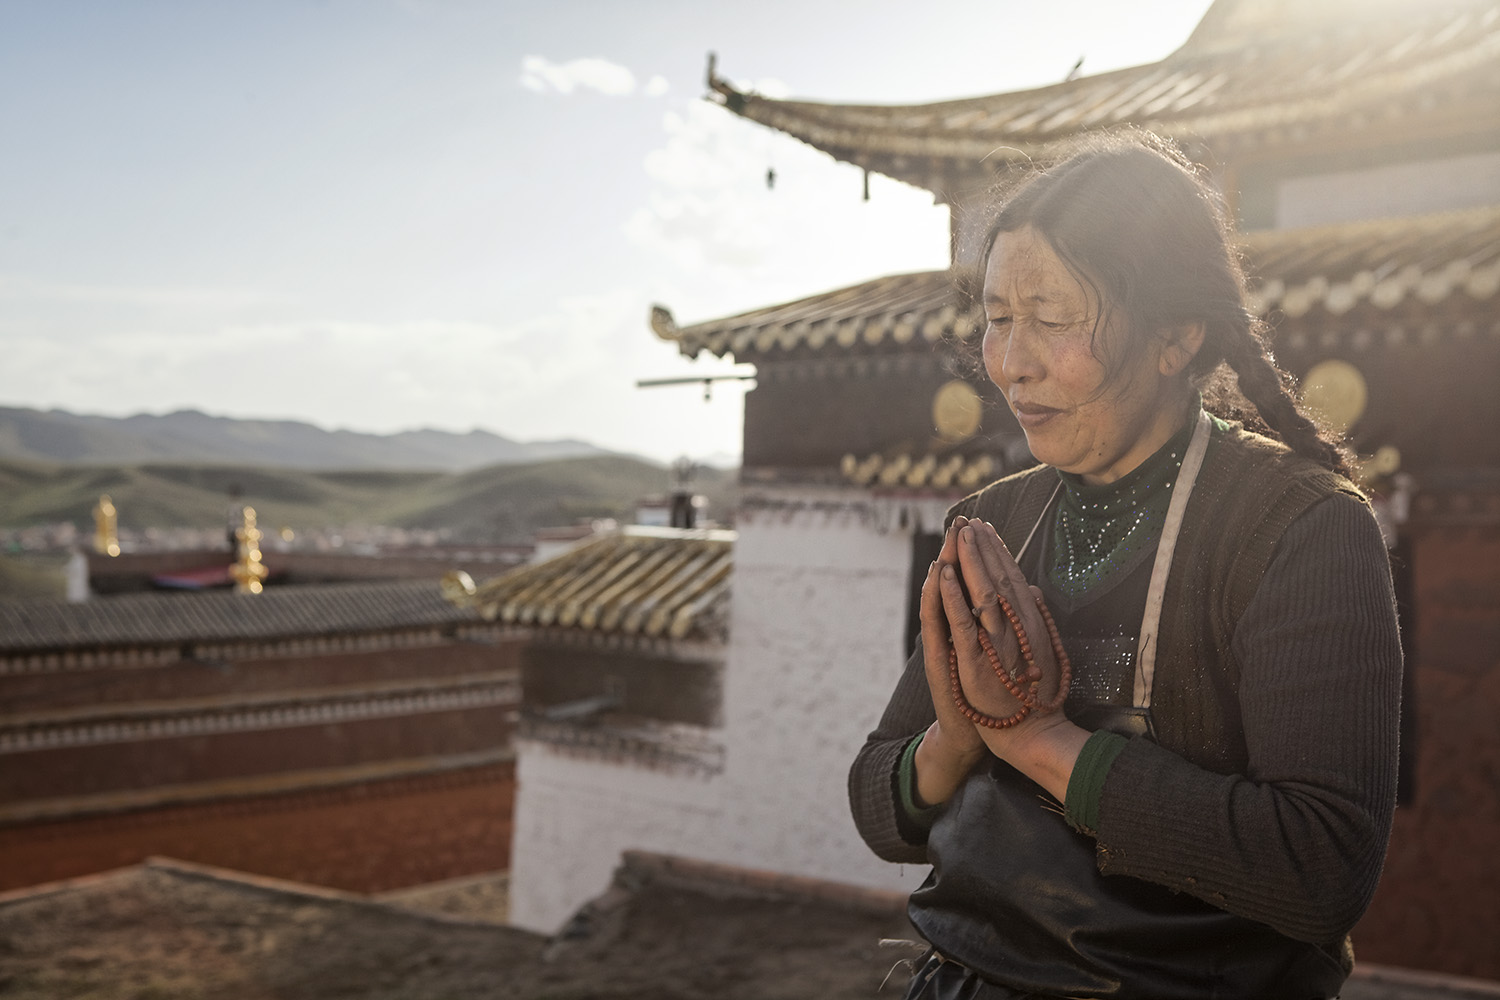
816,635
575,814
817,627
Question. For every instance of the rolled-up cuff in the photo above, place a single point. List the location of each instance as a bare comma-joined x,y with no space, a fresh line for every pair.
919,816
1086,785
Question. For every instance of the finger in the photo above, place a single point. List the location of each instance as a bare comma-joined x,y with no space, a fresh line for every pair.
978,581
931,607
930,610
963,627
999,559
984,588
993,553
982,688
935,654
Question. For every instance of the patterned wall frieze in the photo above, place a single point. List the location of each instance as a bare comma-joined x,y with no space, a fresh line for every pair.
883,512
836,367
679,749
132,657
164,720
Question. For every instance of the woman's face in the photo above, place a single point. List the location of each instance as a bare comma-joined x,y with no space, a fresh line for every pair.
1039,348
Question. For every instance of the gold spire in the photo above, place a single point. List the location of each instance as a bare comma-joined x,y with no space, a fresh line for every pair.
106,527
248,571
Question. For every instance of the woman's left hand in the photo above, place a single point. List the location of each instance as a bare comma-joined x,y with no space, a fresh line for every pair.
989,573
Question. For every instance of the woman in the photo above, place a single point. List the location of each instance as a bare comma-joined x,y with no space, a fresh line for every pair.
1207,815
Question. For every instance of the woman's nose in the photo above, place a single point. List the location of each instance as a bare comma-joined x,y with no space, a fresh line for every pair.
1010,357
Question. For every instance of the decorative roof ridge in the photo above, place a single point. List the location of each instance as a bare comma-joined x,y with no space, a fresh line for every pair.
735,99
727,535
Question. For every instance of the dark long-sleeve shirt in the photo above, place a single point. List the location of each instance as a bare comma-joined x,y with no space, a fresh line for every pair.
1296,838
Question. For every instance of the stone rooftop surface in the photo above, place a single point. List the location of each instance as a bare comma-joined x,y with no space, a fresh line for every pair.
640,581
667,929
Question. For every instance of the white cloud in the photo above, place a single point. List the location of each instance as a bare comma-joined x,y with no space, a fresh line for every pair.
611,79
656,86
729,241
24,288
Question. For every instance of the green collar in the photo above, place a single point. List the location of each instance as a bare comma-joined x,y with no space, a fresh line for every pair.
1099,532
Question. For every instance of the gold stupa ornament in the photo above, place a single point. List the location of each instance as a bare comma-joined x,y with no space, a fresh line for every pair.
248,571
106,527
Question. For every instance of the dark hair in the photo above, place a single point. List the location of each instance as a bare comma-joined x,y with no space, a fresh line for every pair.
1134,220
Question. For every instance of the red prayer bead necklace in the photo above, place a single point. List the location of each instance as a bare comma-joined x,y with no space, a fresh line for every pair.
1027,695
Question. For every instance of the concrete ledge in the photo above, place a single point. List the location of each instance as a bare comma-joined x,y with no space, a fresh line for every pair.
729,880
1415,982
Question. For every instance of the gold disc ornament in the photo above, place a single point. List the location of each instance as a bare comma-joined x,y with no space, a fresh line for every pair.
1336,392
956,411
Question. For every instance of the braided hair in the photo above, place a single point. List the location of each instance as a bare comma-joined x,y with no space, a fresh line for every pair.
1138,223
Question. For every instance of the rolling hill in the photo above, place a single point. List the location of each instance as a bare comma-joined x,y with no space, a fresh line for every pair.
501,503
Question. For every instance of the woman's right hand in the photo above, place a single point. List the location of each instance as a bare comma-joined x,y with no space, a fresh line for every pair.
952,746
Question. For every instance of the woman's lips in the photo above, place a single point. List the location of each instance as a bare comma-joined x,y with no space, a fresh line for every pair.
1032,415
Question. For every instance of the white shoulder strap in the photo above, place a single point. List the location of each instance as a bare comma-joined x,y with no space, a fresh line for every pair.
1145,657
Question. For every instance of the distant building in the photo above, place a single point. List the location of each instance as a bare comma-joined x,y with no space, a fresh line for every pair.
356,736
622,742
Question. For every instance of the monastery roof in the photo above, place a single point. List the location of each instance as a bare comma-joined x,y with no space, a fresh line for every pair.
899,309
1255,73
1337,268
159,618
654,582
1380,263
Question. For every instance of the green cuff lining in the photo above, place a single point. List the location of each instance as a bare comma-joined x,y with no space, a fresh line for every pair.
906,786
1086,785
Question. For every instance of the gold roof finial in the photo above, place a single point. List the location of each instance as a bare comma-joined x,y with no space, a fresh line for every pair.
248,571
106,527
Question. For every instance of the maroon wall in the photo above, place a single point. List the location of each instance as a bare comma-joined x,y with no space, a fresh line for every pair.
366,837
1438,905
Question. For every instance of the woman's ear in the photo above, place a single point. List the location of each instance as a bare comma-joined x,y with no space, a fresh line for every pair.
1179,346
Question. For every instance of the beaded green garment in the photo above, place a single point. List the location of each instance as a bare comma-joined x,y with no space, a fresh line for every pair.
1101,532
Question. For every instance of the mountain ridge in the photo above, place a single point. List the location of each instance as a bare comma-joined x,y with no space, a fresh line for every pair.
186,436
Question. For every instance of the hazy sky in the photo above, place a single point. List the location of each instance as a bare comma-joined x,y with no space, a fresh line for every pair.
390,214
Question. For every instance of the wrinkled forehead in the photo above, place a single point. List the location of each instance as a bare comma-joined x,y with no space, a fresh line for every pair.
1022,266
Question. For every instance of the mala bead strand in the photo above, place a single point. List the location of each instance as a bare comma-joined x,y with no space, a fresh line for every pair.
1027,696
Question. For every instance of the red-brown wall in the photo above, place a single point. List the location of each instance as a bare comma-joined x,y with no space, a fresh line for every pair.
366,837
1438,905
